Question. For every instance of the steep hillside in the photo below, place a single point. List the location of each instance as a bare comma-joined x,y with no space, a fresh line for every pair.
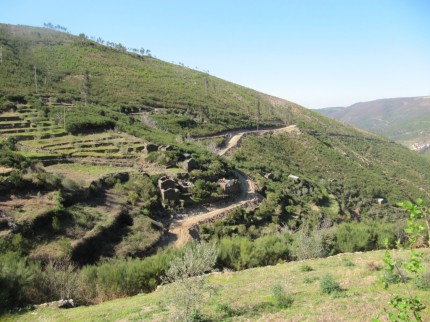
70,69
405,120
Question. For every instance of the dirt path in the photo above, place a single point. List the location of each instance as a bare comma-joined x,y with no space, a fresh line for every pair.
234,139
179,230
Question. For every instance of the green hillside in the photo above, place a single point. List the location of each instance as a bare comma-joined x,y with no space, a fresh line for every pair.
65,64
118,158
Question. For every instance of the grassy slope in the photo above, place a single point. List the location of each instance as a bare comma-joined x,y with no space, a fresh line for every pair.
248,294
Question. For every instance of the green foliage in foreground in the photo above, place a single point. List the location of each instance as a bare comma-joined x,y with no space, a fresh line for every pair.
407,306
248,295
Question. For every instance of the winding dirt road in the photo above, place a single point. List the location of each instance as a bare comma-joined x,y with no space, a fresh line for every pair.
233,140
179,230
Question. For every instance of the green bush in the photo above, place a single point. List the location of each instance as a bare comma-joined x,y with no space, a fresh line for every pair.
308,245
118,278
310,279
305,268
328,284
348,262
227,310
282,298
86,120
12,159
422,281
242,252
16,276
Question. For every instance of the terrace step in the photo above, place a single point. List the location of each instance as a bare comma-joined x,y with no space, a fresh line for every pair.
10,118
14,125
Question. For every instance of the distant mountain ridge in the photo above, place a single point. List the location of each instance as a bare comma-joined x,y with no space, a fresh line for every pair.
405,120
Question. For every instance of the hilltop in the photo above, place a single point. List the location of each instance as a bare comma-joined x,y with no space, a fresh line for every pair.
119,157
405,120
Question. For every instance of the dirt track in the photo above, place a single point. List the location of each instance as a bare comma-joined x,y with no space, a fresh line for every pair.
180,228
234,139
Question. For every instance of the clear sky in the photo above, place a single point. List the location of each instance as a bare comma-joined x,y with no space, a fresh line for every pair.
317,53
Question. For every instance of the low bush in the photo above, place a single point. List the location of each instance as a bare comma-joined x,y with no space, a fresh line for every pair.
227,310
306,268
310,279
348,263
328,284
308,245
16,277
422,282
373,266
282,298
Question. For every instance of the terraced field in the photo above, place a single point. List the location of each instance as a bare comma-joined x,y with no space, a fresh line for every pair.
104,148
27,123
98,219
41,139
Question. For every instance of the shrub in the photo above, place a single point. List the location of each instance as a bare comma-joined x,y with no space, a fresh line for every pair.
305,268
310,279
308,245
329,285
86,120
282,298
187,271
372,266
347,262
422,281
16,276
227,310
58,280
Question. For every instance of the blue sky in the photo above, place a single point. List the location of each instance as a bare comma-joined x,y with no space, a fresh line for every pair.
316,53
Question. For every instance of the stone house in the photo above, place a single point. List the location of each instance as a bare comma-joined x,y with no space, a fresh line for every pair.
166,183
170,194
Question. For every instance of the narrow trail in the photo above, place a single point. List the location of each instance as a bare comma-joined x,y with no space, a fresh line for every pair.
233,140
179,230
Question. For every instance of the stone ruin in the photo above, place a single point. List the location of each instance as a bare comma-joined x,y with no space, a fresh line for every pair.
189,164
168,189
229,186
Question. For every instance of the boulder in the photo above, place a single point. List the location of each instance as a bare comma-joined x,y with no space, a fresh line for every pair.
65,304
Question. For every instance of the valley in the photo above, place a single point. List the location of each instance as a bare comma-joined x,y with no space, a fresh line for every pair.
117,163
404,120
